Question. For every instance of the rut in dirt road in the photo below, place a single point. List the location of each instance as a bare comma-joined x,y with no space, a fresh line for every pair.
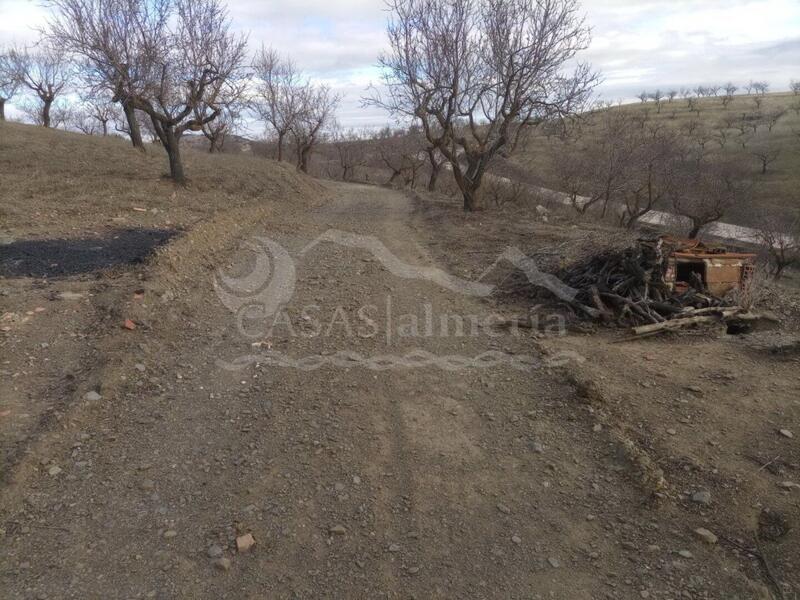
354,482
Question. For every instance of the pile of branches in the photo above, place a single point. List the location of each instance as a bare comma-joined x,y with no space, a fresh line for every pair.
627,286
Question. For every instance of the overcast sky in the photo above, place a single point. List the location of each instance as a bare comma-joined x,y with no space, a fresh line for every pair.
637,44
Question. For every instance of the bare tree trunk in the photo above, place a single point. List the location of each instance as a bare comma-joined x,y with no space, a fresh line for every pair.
436,168
303,154
696,227
280,146
133,125
46,104
472,199
393,178
434,178
172,146
215,146
105,128
2,109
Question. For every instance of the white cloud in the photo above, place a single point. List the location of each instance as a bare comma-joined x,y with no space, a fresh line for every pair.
636,43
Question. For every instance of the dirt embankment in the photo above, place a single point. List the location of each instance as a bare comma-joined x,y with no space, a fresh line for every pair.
94,236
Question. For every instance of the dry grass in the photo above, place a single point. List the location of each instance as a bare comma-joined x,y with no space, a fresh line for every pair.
777,191
55,183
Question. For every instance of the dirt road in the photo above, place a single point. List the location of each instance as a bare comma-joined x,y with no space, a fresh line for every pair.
356,479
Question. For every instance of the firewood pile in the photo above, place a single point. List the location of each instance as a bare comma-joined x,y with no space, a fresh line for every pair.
628,287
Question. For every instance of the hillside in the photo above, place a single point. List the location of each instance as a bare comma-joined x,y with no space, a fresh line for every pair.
84,221
777,191
59,183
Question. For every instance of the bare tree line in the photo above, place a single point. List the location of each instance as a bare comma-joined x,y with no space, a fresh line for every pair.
633,167
625,158
163,67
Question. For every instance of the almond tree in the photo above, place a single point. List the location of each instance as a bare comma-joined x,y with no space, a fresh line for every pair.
101,109
46,72
596,169
703,191
105,33
9,81
316,107
730,90
781,238
473,71
435,162
402,153
650,174
93,115
229,99
166,58
279,89
766,156
352,151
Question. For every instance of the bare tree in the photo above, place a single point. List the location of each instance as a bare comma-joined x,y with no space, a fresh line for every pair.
62,114
218,130
774,116
704,191
97,111
594,170
658,96
761,87
730,91
436,162
794,85
107,35
228,99
472,71
691,126
671,95
9,81
46,72
650,175
82,121
278,94
702,136
404,154
721,136
165,58
644,96
729,120
316,107
713,90
780,236
352,151
744,138
766,156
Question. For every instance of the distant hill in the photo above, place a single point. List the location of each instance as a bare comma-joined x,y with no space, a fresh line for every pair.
777,191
